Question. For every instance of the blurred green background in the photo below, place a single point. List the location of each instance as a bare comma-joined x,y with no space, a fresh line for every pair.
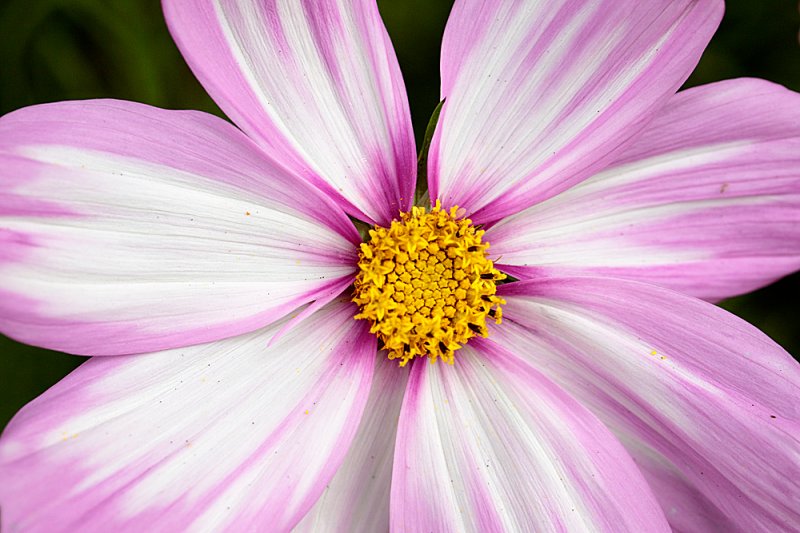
70,49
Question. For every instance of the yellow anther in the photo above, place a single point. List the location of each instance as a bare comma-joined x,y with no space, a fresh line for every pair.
426,285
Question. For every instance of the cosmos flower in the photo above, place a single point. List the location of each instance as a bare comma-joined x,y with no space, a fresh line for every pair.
214,272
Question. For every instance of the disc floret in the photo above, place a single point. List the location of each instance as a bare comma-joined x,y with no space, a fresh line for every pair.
426,284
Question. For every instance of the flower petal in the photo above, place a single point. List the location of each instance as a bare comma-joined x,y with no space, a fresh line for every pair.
707,395
489,444
127,228
706,202
540,95
686,508
357,498
316,84
212,437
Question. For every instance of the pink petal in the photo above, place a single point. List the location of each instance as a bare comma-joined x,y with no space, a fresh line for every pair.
125,228
357,498
696,394
686,508
706,202
316,84
491,445
224,436
541,95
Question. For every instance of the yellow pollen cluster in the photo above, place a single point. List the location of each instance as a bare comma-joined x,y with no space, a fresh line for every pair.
426,284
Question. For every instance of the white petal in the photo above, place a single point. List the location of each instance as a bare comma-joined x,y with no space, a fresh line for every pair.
224,436
706,201
541,94
678,379
125,228
489,444
357,498
316,84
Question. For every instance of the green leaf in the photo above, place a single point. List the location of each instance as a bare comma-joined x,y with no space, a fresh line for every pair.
362,227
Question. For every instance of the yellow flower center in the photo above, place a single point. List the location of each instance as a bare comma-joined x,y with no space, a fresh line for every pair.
426,284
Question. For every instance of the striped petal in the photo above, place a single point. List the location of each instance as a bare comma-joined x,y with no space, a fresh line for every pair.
706,202
316,84
225,436
540,95
707,404
126,228
491,445
686,508
357,498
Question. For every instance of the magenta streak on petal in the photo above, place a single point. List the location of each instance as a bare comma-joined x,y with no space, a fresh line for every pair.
102,509
721,394
85,125
488,186
322,22
403,146
354,363
460,23
585,431
686,508
357,498
491,444
768,233
322,300
289,425
229,83
718,273
14,245
126,224
487,517
485,514
420,507
340,380
15,171
338,64
543,43
747,274
650,425
513,202
711,283
706,201
25,321
299,85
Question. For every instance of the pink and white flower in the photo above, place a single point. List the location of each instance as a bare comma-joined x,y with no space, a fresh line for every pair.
207,266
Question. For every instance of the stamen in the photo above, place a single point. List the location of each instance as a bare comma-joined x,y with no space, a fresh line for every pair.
426,285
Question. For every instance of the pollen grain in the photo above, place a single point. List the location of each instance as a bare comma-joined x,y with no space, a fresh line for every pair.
426,284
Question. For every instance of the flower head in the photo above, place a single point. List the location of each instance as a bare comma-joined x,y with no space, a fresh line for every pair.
260,366
426,284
